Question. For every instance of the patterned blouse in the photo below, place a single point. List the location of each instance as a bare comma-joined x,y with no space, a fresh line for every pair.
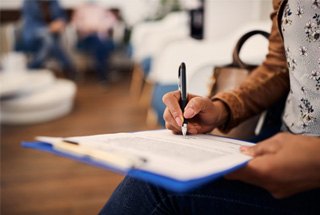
301,32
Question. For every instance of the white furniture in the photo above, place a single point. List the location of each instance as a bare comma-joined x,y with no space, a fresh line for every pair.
200,58
34,97
149,38
199,54
21,82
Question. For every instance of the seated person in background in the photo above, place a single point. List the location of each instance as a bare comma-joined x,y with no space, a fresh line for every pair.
94,26
43,23
285,166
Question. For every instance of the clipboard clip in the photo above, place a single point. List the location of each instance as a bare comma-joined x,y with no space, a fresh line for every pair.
117,159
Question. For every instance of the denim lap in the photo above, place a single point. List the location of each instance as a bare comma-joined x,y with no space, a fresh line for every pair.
219,197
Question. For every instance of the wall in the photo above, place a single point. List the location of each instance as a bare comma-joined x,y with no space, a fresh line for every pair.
224,16
231,13
133,10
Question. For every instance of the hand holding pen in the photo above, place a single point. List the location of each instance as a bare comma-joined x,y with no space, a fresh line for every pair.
201,114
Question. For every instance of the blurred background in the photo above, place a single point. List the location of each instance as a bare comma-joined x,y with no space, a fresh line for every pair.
85,67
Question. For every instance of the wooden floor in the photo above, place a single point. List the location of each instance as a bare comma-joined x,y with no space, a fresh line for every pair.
34,182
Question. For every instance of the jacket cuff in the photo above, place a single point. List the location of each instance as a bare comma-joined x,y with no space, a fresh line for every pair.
234,107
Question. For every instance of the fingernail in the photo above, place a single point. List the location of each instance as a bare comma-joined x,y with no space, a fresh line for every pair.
179,121
188,113
246,150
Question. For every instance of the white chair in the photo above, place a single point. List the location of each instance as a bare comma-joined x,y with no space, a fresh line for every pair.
197,54
149,38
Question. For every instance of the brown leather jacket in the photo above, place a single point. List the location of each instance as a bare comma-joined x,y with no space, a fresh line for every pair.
266,84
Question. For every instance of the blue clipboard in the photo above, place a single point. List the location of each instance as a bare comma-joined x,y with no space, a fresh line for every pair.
156,179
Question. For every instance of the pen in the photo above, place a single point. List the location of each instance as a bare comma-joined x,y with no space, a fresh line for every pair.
183,94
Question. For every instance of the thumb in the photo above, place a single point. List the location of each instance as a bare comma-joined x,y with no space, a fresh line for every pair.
195,106
268,146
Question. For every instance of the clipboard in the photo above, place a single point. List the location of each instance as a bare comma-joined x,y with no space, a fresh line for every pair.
165,182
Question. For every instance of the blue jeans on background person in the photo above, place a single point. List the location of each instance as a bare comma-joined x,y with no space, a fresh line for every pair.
100,49
44,46
133,196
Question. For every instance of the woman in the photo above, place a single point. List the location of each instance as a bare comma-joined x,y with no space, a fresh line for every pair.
284,175
94,25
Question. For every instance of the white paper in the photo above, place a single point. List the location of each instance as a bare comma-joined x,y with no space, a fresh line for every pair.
172,155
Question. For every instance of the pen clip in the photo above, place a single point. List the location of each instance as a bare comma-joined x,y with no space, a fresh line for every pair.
182,81
179,79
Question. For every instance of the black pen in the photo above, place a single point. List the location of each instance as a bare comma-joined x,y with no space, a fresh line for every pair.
183,94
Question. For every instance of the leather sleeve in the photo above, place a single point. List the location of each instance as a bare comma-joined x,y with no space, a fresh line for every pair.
266,84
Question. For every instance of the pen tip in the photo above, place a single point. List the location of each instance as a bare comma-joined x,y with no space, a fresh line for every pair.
184,130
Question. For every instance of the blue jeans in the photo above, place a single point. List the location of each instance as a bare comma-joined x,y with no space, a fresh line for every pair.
219,197
100,49
48,45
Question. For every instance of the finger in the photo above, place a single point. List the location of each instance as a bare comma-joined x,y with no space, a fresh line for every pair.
240,174
259,172
168,118
255,172
246,173
195,106
171,123
269,146
247,177
194,128
173,128
171,100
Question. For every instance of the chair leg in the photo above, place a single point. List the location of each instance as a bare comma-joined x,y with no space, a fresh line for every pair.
152,119
146,94
136,82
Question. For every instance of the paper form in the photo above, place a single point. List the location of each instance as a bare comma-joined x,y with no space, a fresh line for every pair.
172,155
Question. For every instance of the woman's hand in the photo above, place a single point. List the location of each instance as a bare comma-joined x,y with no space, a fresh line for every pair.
57,26
203,115
284,165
